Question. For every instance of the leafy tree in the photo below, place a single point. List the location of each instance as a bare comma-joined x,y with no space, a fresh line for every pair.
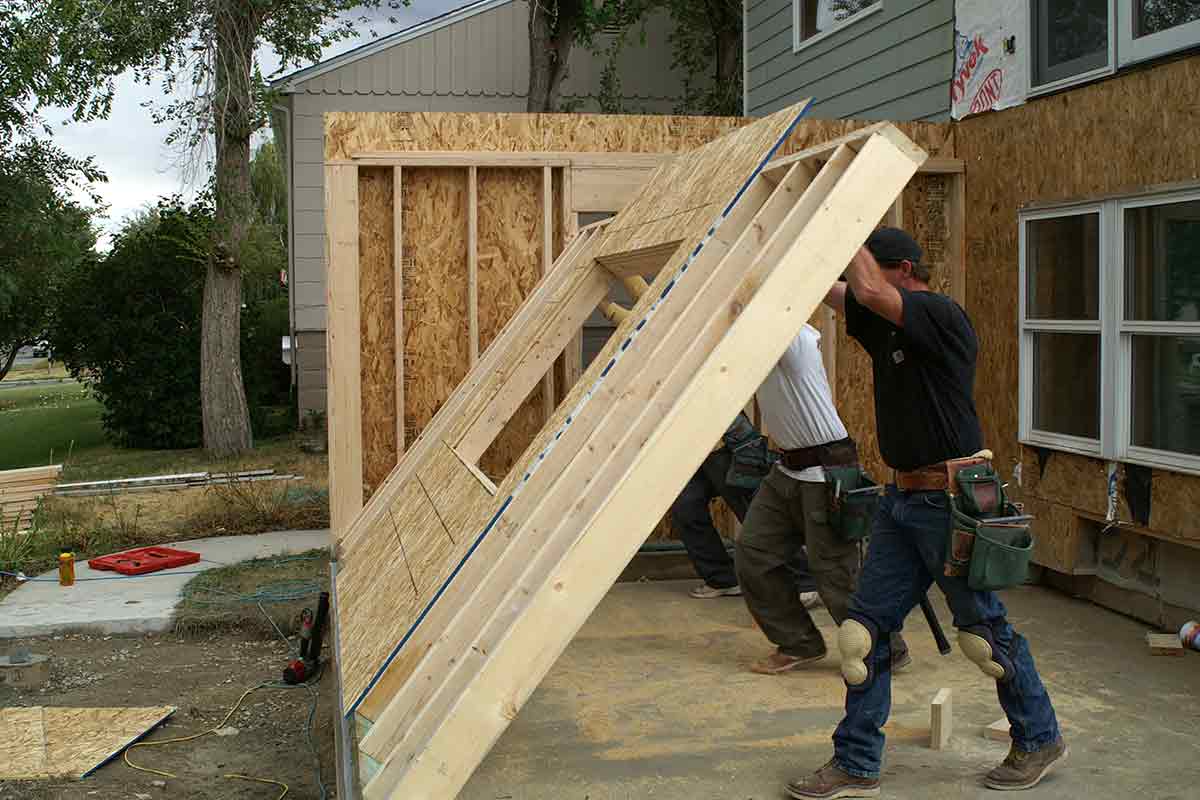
128,324
43,236
210,46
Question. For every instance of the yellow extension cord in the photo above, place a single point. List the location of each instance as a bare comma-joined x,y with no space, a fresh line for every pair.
194,736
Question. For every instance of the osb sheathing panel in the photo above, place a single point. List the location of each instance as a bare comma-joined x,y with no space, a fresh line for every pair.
430,525
40,742
434,241
510,265
1113,136
377,297
351,133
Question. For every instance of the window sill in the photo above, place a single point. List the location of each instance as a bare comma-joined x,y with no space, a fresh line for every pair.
1067,83
798,46
1067,444
1163,459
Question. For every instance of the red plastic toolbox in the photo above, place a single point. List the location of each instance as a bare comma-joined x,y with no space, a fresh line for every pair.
145,559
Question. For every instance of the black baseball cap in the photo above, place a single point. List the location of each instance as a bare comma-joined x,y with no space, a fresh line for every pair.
893,244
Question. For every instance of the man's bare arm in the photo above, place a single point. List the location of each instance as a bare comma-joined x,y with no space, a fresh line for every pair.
836,298
871,289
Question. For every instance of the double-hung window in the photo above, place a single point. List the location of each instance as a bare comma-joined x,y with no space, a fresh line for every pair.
1110,329
1072,41
813,20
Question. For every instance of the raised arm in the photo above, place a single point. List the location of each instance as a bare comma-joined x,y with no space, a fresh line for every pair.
872,290
836,298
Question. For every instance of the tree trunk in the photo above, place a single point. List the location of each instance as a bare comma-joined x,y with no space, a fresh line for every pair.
225,416
551,33
729,67
7,359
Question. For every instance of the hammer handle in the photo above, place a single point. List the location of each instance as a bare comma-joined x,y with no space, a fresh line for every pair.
935,626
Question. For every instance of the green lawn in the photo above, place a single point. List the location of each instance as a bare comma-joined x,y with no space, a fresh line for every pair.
41,424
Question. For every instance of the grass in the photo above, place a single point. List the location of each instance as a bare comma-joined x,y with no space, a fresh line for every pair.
230,596
45,423
93,526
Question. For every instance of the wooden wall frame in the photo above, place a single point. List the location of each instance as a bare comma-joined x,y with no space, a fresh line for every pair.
502,577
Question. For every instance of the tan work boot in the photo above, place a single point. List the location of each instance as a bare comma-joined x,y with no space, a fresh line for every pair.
1021,770
706,592
831,782
780,662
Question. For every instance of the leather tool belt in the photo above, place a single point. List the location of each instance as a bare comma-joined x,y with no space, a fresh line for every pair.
843,452
934,477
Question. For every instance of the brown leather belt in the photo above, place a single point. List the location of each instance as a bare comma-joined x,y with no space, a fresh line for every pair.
843,452
934,477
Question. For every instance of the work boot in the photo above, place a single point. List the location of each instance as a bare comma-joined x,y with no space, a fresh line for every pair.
830,782
780,662
706,592
1021,770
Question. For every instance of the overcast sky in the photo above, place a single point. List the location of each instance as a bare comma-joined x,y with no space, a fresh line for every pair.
132,151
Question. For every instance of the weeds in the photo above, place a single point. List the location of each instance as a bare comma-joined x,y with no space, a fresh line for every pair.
242,507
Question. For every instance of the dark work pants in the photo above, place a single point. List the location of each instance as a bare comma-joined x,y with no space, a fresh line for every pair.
691,518
788,514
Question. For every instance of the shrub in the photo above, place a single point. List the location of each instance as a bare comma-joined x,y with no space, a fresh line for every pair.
128,324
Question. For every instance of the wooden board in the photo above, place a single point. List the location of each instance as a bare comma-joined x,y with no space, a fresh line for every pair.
1164,644
377,313
41,742
707,347
941,720
998,731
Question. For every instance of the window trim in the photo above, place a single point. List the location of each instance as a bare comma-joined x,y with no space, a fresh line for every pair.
1028,328
799,44
1132,50
1116,336
1034,90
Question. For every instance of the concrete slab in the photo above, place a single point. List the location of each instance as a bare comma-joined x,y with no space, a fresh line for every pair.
107,603
653,699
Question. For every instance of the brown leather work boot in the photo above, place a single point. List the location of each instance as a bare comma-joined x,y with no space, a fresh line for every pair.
1021,770
780,662
831,782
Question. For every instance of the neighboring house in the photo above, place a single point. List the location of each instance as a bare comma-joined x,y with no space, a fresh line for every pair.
887,59
473,59
1077,125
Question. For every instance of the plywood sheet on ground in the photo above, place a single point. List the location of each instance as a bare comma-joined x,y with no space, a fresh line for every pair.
40,742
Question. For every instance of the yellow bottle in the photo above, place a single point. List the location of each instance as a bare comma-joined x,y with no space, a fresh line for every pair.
66,569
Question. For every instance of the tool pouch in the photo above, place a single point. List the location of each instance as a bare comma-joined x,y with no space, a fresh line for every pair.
853,501
752,461
990,554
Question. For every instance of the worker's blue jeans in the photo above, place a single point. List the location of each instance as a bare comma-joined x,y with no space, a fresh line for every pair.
906,554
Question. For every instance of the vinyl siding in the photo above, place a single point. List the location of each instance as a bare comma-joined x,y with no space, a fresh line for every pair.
893,64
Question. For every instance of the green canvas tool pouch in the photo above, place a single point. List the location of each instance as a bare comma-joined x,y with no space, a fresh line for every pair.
752,461
853,501
1000,559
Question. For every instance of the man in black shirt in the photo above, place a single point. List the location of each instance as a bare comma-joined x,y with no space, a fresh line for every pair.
923,353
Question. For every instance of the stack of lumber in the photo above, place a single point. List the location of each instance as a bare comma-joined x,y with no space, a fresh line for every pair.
20,492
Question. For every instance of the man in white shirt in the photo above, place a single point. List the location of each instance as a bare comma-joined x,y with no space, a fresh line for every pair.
791,511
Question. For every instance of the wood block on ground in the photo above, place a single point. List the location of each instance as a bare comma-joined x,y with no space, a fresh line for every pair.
1164,644
941,720
998,731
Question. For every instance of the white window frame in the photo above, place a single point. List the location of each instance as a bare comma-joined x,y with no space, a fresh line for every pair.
797,16
1126,330
1032,90
1030,327
1116,338
1132,50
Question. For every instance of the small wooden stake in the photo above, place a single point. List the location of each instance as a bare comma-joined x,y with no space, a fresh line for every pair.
940,720
998,731
1164,644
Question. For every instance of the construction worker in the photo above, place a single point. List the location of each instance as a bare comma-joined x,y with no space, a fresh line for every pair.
692,520
791,511
923,350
